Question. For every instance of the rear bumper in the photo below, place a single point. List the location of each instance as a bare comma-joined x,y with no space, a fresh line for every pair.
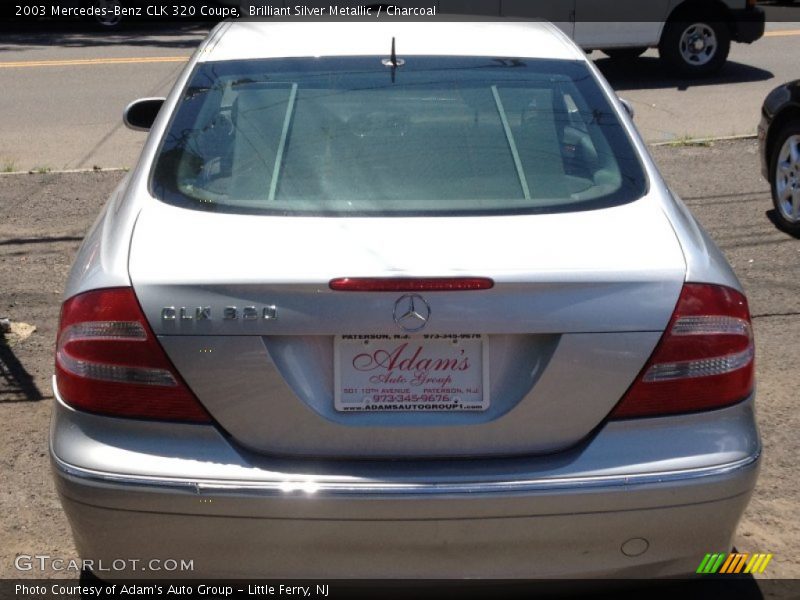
554,516
748,24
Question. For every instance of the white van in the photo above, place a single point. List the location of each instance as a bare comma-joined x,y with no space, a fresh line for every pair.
692,36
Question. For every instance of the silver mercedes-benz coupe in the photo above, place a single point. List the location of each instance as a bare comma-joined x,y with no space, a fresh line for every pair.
400,300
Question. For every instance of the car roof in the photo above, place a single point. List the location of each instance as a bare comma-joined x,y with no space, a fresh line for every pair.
276,39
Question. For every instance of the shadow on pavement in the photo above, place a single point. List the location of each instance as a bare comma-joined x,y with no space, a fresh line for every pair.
40,240
781,10
16,384
649,73
79,34
773,218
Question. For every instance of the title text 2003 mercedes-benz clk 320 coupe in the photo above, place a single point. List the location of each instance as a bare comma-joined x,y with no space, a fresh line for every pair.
401,300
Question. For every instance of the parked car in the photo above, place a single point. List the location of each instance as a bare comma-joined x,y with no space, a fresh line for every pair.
400,300
779,141
693,37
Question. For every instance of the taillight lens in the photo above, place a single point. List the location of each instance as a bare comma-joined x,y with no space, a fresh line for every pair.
109,362
705,359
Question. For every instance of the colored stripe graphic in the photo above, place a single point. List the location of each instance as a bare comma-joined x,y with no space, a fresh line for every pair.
759,565
733,563
711,563
719,562
703,563
754,561
727,564
740,563
765,563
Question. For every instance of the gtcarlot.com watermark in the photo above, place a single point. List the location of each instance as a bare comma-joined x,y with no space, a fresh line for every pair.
44,562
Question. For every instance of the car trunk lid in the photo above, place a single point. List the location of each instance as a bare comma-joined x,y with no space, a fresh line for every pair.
579,302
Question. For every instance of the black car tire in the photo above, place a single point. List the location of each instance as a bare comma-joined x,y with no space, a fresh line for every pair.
672,50
789,129
625,53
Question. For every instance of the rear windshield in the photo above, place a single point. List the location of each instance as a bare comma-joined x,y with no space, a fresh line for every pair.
435,136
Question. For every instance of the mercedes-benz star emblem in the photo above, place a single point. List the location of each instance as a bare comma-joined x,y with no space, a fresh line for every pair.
411,312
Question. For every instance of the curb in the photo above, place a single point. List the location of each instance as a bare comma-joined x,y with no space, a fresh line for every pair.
63,171
704,140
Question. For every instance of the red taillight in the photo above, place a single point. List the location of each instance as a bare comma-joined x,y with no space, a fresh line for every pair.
703,361
410,284
109,362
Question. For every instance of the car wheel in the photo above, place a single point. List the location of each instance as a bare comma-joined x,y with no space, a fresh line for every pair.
695,48
785,176
625,53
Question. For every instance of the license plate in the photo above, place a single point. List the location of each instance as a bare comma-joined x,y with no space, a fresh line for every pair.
411,373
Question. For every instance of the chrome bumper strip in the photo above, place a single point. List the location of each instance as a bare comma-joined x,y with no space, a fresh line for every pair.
310,486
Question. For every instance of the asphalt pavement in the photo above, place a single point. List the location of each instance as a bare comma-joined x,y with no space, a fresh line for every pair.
728,104
70,86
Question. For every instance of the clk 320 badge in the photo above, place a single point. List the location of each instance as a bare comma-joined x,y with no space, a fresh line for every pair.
229,313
